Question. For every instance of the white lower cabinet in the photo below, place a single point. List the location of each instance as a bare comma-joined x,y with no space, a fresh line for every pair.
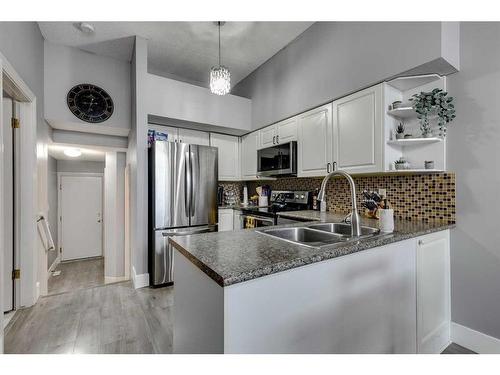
433,292
314,142
229,156
225,219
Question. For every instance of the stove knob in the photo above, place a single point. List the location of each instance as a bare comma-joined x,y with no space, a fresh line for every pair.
302,196
296,197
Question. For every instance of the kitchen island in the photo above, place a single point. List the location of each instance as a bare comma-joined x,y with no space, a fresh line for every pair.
247,292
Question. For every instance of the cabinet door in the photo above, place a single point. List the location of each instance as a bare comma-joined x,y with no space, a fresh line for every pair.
286,130
249,155
315,141
267,136
225,220
357,124
229,157
194,137
172,133
433,292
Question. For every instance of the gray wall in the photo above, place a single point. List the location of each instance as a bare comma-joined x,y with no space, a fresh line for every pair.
474,153
52,194
80,166
332,59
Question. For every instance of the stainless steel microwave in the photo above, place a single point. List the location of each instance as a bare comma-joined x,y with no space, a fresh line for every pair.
279,160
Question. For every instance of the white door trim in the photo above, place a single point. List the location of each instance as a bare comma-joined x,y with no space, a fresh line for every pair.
32,253
59,206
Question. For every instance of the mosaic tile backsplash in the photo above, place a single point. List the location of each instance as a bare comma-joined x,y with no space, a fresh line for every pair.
413,197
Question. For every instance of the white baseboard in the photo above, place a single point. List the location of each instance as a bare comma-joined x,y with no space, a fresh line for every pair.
474,340
141,280
114,279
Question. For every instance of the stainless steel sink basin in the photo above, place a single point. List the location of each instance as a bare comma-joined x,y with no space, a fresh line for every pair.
304,236
319,235
344,229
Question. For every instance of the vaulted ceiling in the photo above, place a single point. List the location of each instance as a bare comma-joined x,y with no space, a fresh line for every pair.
183,50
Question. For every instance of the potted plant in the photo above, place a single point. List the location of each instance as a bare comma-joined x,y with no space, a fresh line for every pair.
400,131
401,164
435,102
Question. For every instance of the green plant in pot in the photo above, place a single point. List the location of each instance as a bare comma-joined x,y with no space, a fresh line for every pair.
435,102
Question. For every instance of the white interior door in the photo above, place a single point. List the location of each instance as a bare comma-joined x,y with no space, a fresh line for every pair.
81,216
7,180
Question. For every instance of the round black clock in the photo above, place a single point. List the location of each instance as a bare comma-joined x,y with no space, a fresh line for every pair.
90,103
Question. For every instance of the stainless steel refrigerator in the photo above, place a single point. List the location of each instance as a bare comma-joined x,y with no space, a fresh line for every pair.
182,200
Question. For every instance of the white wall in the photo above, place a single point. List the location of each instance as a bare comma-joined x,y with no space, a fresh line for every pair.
66,67
473,154
138,163
80,166
182,101
332,59
114,216
53,203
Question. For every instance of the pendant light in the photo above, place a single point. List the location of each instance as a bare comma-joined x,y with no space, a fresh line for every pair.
220,77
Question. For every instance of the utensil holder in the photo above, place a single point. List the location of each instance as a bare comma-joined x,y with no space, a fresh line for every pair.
386,222
263,200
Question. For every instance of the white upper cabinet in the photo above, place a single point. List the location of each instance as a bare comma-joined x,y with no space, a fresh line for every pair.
433,292
194,137
315,141
282,132
267,136
229,156
249,155
286,130
357,131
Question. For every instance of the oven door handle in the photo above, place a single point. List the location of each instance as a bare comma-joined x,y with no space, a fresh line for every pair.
258,218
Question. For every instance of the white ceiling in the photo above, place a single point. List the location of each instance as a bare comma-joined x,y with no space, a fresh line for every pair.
184,50
88,154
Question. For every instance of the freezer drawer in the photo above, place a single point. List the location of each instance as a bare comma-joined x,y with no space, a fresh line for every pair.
161,270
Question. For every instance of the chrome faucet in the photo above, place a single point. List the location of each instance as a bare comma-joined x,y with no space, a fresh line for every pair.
355,220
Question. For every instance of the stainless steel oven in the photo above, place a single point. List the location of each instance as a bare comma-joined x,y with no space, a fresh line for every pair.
279,160
255,221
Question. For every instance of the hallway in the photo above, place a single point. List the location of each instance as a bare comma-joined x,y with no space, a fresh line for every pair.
75,275
113,318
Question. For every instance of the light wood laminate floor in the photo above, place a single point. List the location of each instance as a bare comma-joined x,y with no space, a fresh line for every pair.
114,318
77,274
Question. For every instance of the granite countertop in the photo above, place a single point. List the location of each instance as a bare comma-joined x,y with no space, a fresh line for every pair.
234,257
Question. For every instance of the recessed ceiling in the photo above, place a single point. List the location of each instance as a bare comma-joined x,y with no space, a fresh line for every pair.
183,50
88,154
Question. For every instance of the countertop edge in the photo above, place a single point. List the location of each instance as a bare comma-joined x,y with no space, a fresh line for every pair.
367,244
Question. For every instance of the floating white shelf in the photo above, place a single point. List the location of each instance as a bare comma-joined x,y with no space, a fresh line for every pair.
415,171
411,82
414,141
403,112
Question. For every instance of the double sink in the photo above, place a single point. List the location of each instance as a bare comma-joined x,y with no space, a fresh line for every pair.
319,235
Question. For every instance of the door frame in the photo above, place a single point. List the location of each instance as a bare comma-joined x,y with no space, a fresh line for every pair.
59,207
31,251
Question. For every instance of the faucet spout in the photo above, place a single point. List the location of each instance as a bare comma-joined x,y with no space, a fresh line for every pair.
355,219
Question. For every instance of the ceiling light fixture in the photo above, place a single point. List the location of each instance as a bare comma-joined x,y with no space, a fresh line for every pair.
220,77
72,152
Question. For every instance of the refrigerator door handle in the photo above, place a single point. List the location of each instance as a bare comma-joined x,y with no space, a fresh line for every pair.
189,231
188,185
194,177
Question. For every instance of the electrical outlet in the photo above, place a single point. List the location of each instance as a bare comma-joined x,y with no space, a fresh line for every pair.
382,192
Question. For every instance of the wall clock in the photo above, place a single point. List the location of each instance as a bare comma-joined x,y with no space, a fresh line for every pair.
90,103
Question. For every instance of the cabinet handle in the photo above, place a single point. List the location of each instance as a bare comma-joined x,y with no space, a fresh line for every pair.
334,166
277,139
327,167
274,139
421,242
